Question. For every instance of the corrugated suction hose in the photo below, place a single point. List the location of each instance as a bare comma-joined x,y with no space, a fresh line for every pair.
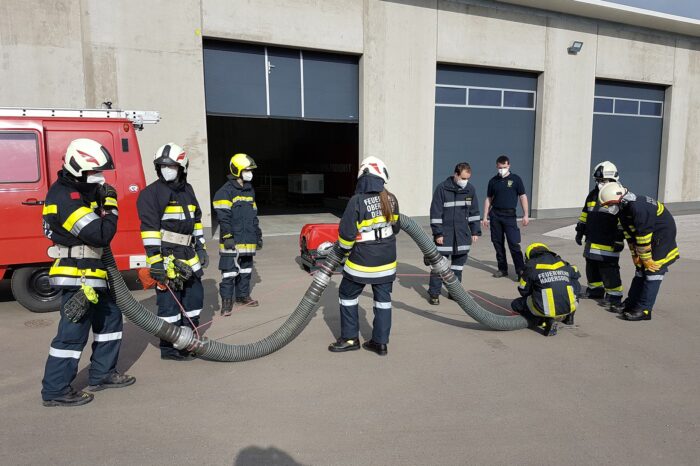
184,337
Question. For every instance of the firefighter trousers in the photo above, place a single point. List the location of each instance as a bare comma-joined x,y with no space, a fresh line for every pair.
105,319
605,278
506,226
236,273
191,297
349,297
644,289
457,266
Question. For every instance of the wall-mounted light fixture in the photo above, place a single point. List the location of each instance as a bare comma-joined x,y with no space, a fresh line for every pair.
575,47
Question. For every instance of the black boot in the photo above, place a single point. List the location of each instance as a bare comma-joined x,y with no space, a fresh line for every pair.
341,345
594,293
226,306
113,380
379,348
549,327
72,398
639,314
434,300
618,307
247,301
568,320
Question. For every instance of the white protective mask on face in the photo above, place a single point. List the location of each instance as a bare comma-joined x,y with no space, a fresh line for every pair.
169,173
503,172
600,185
461,183
247,175
97,178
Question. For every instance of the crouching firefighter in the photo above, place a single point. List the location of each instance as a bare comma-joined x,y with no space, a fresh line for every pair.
80,217
367,232
173,237
548,289
604,241
240,235
455,221
650,231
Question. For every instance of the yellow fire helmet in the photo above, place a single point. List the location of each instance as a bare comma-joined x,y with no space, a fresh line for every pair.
240,162
534,246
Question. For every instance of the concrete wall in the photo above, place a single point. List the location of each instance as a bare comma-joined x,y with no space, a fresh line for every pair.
77,53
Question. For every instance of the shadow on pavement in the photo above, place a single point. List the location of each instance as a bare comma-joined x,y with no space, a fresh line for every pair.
271,456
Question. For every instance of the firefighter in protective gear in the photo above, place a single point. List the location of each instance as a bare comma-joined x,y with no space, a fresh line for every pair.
455,221
240,235
367,232
650,231
604,241
173,237
80,217
548,289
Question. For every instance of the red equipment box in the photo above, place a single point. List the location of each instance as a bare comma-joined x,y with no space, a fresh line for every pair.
315,240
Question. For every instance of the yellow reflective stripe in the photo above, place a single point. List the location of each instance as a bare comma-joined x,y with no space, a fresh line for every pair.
154,259
192,261
575,268
93,205
583,217
660,209
601,247
644,255
79,213
222,203
150,234
76,272
590,204
49,209
227,236
523,283
595,284
371,221
617,288
644,239
572,298
178,209
364,268
627,235
554,266
110,201
674,254
198,226
242,199
345,243
550,307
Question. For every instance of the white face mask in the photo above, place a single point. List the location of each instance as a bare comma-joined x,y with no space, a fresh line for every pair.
503,172
600,185
247,175
461,183
97,178
169,173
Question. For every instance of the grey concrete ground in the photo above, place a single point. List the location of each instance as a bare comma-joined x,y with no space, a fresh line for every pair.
449,392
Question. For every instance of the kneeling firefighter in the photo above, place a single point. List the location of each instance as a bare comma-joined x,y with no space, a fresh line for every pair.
80,217
173,237
604,240
367,232
548,289
650,231
240,234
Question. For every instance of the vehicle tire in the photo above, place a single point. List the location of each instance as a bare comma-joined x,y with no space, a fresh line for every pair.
31,288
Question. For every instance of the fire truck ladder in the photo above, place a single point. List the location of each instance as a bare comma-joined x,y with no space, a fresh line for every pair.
138,117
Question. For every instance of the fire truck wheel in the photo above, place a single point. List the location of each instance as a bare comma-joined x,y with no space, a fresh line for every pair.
31,288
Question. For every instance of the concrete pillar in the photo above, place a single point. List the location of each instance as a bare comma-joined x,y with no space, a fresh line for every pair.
398,96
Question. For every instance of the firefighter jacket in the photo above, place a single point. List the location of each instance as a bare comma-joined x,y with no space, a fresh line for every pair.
454,215
647,222
368,236
73,216
171,223
550,284
604,237
237,213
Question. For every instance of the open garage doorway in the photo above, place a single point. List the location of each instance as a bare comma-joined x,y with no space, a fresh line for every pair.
296,113
303,166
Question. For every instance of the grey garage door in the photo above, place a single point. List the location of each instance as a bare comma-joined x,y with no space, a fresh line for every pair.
481,114
254,80
627,128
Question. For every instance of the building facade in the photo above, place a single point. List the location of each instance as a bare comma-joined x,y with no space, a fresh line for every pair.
433,82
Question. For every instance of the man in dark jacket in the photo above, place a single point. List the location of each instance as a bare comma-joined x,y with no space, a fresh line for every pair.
173,237
604,241
240,235
455,221
80,217
650,231
548,289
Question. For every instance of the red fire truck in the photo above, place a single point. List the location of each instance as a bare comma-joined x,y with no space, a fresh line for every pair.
32,145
